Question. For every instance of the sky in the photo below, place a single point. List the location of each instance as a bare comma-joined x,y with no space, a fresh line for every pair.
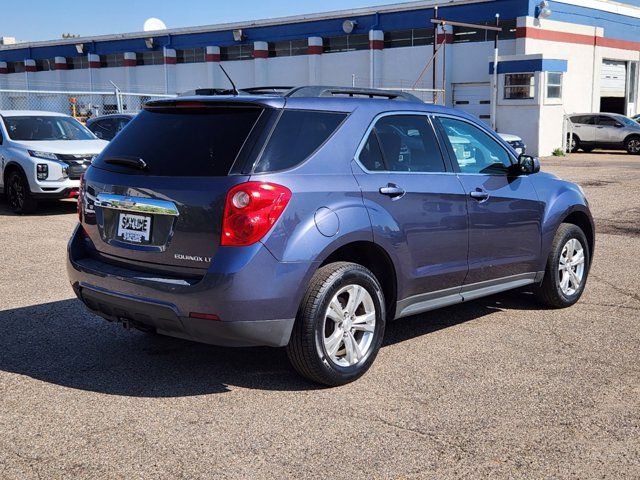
33,20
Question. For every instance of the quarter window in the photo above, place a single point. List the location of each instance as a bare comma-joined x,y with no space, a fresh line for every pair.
402,143
554,85
297,135
475,151
519,86
607,121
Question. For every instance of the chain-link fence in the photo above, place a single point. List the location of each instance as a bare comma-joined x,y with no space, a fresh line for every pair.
79,104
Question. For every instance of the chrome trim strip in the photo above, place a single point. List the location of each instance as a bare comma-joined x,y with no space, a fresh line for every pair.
136,204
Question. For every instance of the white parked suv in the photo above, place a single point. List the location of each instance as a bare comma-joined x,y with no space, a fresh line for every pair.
42,155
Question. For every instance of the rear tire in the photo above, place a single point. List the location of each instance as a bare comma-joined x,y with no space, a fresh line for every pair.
567,268
19,194
632,145
339,326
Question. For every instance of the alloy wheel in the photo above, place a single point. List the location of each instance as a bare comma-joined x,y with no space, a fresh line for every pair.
634,145
16,193
571,267
349,326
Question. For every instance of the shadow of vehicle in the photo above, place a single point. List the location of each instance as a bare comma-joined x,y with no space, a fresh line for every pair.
45,208
61,343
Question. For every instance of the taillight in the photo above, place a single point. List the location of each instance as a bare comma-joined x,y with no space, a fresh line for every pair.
80,197
250,211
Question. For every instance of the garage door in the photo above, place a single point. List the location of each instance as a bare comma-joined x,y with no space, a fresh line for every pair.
613,78
473,98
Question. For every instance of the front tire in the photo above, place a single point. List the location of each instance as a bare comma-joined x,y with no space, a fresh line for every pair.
339,326
574,144
632,145
567,268
19,194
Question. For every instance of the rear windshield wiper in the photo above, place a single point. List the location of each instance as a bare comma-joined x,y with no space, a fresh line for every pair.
132,162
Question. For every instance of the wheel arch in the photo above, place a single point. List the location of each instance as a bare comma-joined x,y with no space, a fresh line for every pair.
10,167
375,258
581,220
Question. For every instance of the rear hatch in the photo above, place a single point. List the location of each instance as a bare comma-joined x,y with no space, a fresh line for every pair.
155,197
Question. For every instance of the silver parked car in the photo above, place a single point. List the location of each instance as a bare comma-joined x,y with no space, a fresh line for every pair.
605,130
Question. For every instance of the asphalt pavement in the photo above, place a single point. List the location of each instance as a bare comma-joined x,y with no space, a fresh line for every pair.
498,387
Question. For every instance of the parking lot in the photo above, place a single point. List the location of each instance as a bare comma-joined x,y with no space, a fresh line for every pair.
497,387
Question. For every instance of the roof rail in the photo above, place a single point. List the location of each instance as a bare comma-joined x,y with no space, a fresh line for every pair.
270,90
324,91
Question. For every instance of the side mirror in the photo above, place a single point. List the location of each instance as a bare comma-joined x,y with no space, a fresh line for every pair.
619,125
528,165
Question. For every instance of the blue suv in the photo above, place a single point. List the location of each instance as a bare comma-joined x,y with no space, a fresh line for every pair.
310,218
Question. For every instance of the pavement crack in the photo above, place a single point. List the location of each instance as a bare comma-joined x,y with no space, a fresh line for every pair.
618,289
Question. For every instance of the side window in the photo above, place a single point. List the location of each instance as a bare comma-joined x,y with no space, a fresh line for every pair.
582,119
297,135
607,121
402,143
121,124
105,129
371,155
475,151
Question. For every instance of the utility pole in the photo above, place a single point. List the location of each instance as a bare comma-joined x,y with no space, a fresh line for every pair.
434,20
494,92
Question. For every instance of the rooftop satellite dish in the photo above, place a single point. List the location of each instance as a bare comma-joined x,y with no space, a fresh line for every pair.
152,24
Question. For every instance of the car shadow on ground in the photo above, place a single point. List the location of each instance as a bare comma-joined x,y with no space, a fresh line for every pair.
45,208
61,343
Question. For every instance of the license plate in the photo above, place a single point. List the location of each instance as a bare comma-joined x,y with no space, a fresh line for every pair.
134,228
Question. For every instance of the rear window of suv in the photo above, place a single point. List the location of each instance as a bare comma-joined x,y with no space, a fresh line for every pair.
189,142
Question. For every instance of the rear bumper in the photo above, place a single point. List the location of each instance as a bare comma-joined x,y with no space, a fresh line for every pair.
255,297
164,319
56,195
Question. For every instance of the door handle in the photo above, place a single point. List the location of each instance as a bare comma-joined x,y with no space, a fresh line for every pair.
393,191
479,194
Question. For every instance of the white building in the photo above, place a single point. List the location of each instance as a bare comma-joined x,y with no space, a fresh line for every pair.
555,58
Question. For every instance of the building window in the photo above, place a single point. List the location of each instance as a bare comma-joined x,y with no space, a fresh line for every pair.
475,34
236,52
15,67
112,60
408,38
44,65
554,85
150,58
346,43
191,55
288,48
519,86
75,63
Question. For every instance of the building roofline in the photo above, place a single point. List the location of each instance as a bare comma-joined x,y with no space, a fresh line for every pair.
388,8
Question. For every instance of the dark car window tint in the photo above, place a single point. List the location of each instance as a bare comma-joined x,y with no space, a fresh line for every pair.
41,128
475,150
297,135
122,123
584,119
370,155
105,129
409,144
607,121
183,142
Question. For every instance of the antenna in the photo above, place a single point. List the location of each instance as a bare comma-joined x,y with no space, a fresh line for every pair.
235,89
